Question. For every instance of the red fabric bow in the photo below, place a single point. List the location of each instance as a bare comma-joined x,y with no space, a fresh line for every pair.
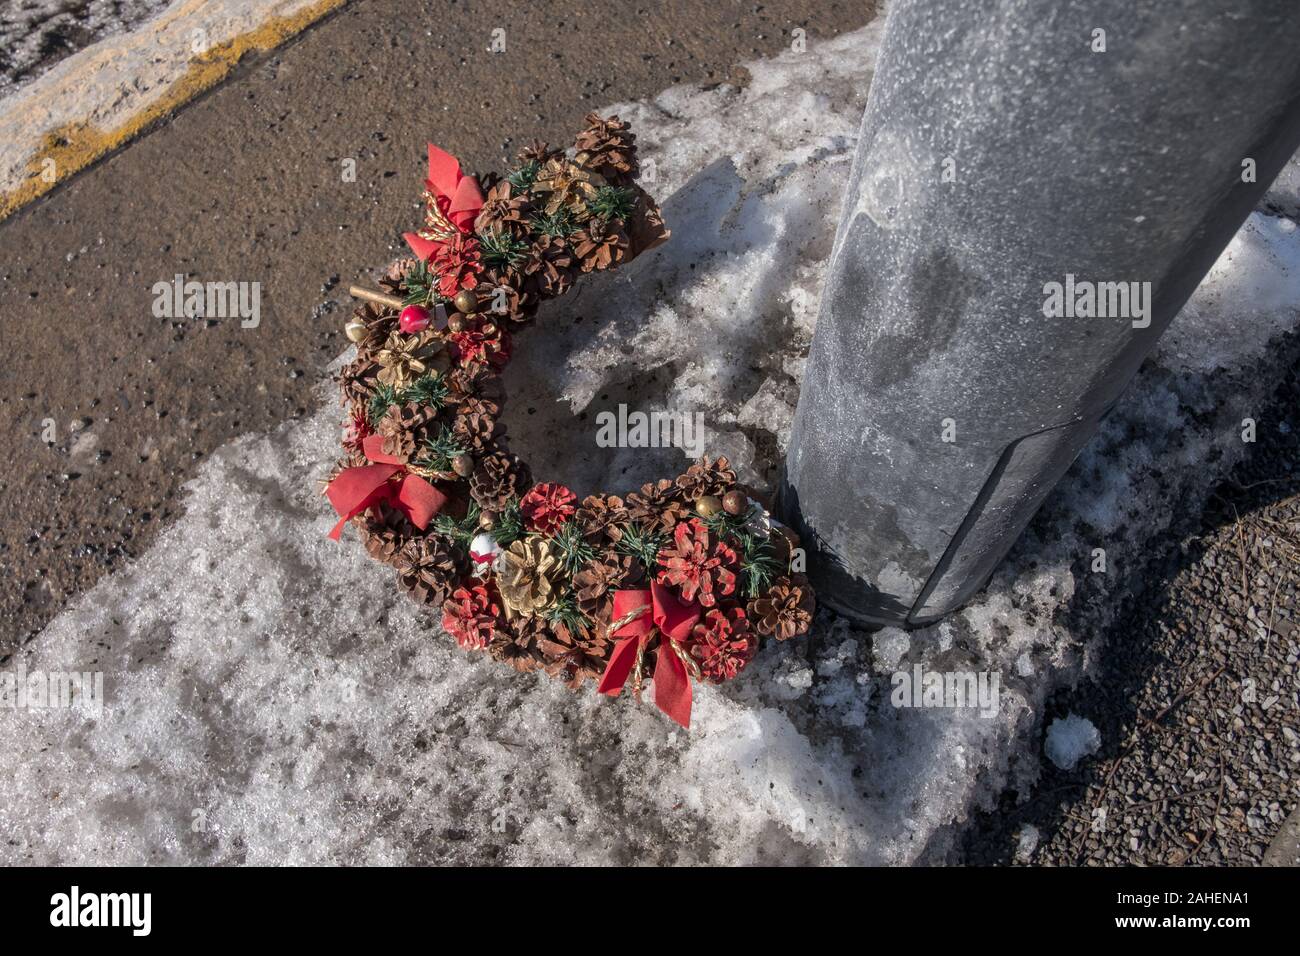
673,618
356,489
457,196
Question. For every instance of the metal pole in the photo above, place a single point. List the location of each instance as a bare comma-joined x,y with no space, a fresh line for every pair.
1011,148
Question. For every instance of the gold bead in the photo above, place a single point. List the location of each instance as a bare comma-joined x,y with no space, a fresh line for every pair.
455,322
708,506
465,301
463,465
487,521
355,330
735,502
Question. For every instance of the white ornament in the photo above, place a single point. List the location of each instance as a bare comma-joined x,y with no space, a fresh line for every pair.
483,550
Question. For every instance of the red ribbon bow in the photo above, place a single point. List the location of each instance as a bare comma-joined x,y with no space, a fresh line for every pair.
456,196
673,618
356,489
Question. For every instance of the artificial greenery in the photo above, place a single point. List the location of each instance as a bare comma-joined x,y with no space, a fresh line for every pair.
438,450
758,566
427,390
509,526
558,225
500,249
612,202
573,549
421,284
566,612
462,531
523,177
642,544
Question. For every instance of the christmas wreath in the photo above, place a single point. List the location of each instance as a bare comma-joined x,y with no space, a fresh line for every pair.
678,581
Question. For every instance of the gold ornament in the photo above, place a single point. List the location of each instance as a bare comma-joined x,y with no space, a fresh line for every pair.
708,505
527,577
466,302
355,330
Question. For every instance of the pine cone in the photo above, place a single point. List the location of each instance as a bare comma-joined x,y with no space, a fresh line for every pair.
497,478
429,569
645,227
472,615
707,477
402,428
358,381
595,584
576,654
384,531
600,245
658,505
607,146
517,644
477,430
722,643
700,565
550,264
379,323
504,209
786,610
535,152
396,272
464,384
528,577
599,517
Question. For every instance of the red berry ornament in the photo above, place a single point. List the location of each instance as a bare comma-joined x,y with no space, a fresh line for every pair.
414,318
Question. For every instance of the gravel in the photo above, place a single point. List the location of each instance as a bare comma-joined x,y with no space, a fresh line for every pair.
1196,698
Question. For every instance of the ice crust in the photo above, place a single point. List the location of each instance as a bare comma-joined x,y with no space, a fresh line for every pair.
272,698
1070,739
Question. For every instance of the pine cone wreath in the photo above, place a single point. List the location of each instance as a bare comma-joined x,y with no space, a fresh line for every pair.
529,572
429,569
786,610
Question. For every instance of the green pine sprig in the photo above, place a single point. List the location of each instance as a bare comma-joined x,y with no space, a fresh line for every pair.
523,176
500,249
566,612
509,526
572,547
438,450
461,531
558,225
427,390
642,544
421,284
612,202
